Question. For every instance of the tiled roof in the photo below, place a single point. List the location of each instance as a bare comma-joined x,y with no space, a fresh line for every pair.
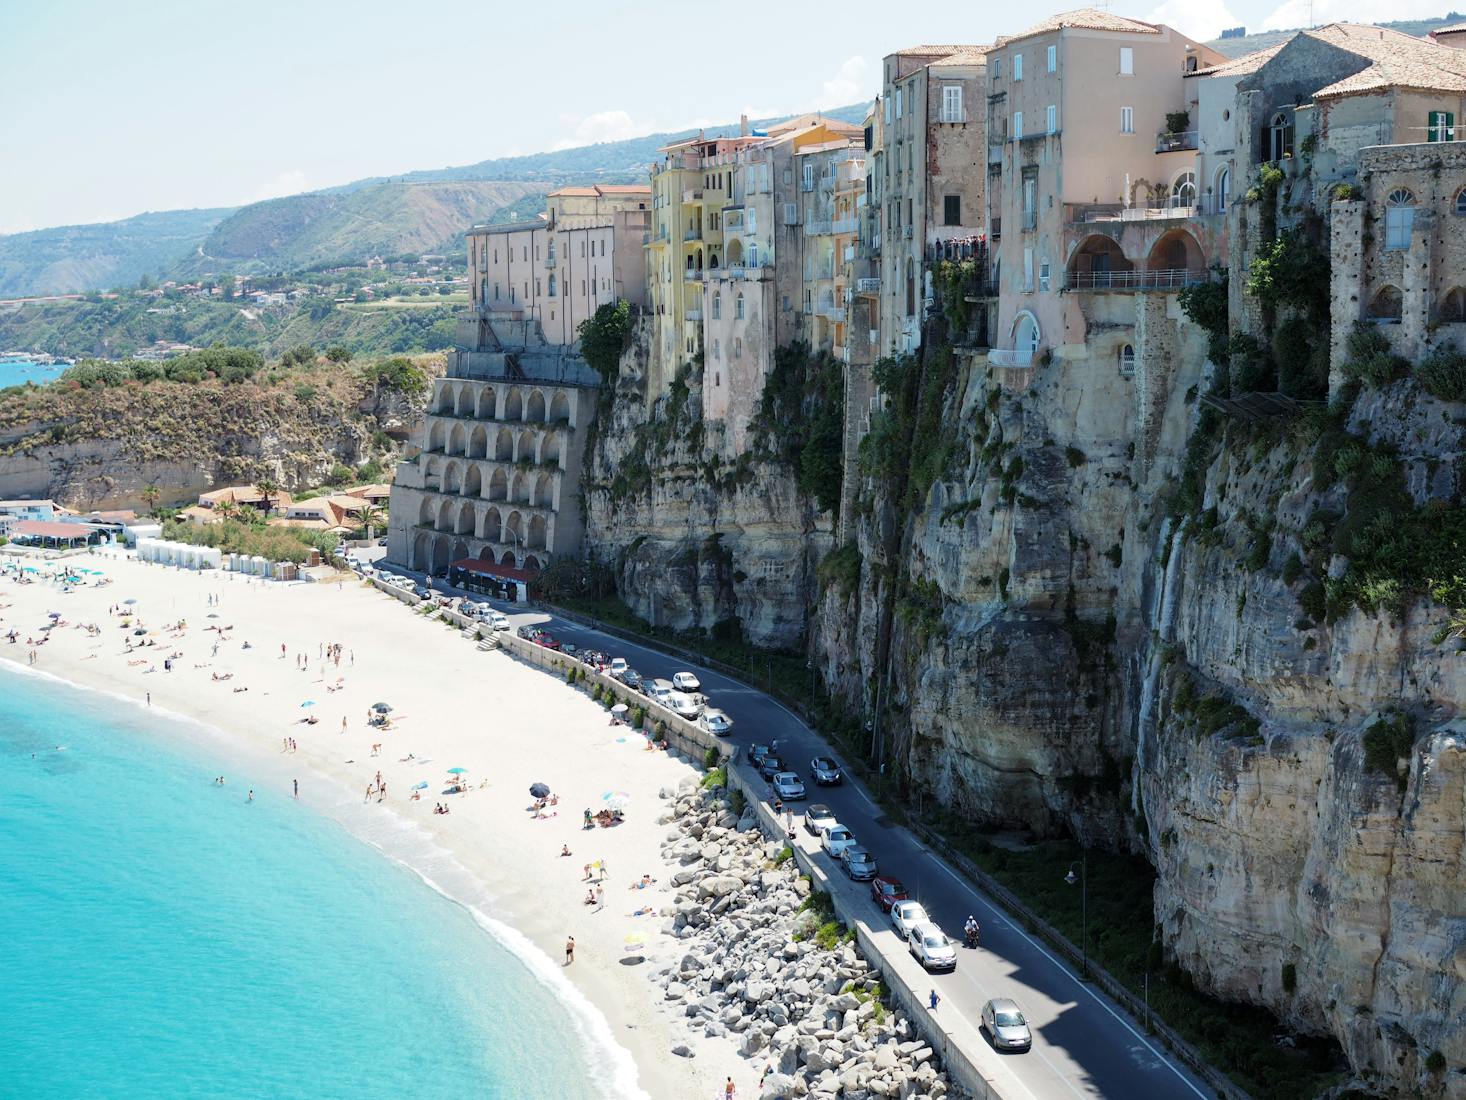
929,51
966,55
43,529
580,192
1397,61
623,188
1086,19
1241,66
1459,28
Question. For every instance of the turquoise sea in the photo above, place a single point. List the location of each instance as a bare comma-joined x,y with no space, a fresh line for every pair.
163,937
14,373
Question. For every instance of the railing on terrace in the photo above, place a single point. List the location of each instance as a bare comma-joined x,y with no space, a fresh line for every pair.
1175,143
1158,279
1011,357
1089,213
693,314
694,275
844,225
868,286
817,228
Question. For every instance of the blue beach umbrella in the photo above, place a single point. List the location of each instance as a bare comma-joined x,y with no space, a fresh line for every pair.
309,703
420,786
457,771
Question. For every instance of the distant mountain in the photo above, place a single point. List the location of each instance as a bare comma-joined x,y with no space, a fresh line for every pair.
1236,47
73,258
365,217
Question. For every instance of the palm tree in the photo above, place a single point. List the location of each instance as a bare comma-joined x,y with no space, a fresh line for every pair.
226,510
151,495
266,486
371,516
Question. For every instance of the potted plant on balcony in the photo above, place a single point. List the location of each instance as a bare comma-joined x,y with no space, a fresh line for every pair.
1177,122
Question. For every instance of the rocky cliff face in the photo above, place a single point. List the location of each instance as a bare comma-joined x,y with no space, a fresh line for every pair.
100,448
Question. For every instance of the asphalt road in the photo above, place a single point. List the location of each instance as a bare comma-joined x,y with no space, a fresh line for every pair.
1084,1044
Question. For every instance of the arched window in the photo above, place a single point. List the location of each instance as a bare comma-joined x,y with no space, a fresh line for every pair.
1224,189
1127,361
1281,136
552,284
1461,202
738,307
1183,192
1387,305
717,306
1453,305
1399,219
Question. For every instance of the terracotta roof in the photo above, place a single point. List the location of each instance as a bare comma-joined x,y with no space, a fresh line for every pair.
39,528
1085,19
1397,61
929,51
579,192
376,489
1241,66
624,188
967,55
1459,28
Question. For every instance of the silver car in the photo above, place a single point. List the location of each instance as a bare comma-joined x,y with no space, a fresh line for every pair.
860,865
930,946
1005,1025
788,786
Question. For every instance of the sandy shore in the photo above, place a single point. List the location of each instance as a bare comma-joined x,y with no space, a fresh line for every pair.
507,724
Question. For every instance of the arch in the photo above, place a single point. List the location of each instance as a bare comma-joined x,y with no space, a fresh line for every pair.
486,553
1183,190
553,286
1280,136
534,408
486,408
1176,251
1127,361
532,562
507,559
537,533
466,520
444,399
1453,305
514,406
427,512
504,446
460,550
457,440
1399,219
473,481
514,525
478,442
422,551
464,405
442,548
1099,262
498,484
544,492
1459,205
432,467
445,517
493,526
717,306
1387,305
437,437
910,288
550,451
559,408
1026,333
735,252
518,491
452,478
524,445
1223,191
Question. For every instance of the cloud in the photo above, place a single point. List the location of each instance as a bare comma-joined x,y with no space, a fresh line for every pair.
848,85
599,127
1198,21
292,182
1295,13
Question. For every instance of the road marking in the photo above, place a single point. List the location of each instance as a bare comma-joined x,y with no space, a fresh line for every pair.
1076,980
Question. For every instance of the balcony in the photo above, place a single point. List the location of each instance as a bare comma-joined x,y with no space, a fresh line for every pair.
1157,279
906,232
836,314
693,275
867,286
1030,219
1176,143
692,195
1091,213
1011,357
995,154
692,314
818,228
845,225
691,235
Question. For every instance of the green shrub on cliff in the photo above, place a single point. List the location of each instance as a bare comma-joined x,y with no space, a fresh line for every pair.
1387,741
1369,358
603,338
1443,374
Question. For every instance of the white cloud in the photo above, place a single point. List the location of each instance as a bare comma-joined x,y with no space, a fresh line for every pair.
292,182
1202,22
599,127
1295,13
848,85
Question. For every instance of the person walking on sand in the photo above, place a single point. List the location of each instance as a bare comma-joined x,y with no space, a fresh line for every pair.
569,950
251,797
297,787
730,1090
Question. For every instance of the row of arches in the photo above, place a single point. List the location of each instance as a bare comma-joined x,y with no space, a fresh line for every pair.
433,553
1387,305
501,445
487,481
1099,261
486,402
511,526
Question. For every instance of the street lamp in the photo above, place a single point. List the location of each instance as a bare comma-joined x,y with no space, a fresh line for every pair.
1083,879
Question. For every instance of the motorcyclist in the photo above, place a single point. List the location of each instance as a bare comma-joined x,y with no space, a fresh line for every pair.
971,929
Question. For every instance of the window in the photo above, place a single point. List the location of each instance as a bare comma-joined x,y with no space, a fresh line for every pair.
1017,125
1030,201
1387,305
1127,120
1127,361
1280,136
1453,306
1224,189
1028,269
952,103
1441,126
899,102
1184,192
997,68
1053,59
1399,219
738,307
737,347
717,307
537,287
717,378
717,349
888,114
1127,61
1043,275
951,209
1017,66
1461,202
1051,118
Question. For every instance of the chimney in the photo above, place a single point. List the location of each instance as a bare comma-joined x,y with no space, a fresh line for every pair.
743,125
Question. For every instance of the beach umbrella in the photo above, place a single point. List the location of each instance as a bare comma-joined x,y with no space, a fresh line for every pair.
620,709
635,940
309,703
381,708
213,615
129,600
539,790
420,786
457,771
616,796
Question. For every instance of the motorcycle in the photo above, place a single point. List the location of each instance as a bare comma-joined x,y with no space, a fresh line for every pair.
972,938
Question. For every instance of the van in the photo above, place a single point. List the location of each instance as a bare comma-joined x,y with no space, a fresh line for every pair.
683,705
659,690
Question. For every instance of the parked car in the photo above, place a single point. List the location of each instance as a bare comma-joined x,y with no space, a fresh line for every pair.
632,679
716,722
836,838
498,620
569,650
659,690
423,591
818,817
756,753
886,892
906,915
527,632
825,772
1007,1029
772,765
930,947
684,705
788,786
546,640
859,864
685,681
618,667
382,541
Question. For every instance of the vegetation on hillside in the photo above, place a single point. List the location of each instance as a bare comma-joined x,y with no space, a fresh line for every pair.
242,536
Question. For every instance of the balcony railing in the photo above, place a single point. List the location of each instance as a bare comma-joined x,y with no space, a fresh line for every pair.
693,275
1011,357
844,225
1156,279
1175,143
836,314
1118,212
1030,219
868,286
692,314
819,228
691,234
692,195
995,154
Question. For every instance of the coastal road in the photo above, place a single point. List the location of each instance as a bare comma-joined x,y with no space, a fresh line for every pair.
1084,1045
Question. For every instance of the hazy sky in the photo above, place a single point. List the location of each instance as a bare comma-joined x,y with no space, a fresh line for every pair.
111,108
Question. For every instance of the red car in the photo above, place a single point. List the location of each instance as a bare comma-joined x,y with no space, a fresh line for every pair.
546,641
886,892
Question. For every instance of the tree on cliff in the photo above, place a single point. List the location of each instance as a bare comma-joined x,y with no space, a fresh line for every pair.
603,338
266,486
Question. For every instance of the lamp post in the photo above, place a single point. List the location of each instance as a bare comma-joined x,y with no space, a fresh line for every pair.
1083,879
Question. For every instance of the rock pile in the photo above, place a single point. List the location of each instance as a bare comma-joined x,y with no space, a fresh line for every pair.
749,964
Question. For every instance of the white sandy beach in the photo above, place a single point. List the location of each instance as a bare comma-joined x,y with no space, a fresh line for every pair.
507,724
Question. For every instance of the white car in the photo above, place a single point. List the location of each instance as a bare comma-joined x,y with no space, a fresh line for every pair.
906,915
835,839
716,722
930,946
683,705
658,690
788,786
685,681
618,667
498,620
818,818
